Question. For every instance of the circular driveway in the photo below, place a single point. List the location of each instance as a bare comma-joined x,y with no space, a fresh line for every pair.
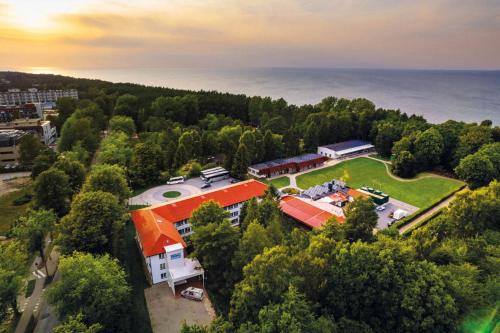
155,195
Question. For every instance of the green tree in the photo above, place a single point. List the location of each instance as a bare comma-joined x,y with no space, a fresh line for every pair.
94,223
107,178
248,139
65,106
74,170
146,164
265,279
181,156
13,267
241,162
43,162
291,140
361,219
213,235
29,149
32,229
123,124
472,212
115,149
78,131
209,144
311,137
476,169
253,242
387,134
51,191
127,105
75,324
96,287
428,148
471,140
403,164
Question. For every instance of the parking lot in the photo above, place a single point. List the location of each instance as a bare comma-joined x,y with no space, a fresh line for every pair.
383,216
168,312
189,187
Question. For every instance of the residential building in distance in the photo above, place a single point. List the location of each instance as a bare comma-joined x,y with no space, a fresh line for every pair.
9,147
346,148
41,128
12,112
161,226
286,165
33,95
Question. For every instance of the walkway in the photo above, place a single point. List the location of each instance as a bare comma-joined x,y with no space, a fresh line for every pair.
422,217
31,305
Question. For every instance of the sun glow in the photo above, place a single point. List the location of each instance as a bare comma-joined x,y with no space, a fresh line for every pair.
36,15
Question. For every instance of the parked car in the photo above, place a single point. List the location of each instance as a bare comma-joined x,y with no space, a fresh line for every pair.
234,181
380,208
206,185
195,294
175,180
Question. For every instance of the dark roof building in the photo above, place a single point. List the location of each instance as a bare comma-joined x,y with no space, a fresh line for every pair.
286,165
345,148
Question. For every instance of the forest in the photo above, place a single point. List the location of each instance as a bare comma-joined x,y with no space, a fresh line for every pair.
274,277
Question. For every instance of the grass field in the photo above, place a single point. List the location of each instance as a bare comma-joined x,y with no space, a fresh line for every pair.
172,194
10,212
278,182
367,172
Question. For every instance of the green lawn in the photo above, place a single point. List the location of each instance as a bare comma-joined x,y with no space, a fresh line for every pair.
277,182
132,263
172,194
367,172
10,212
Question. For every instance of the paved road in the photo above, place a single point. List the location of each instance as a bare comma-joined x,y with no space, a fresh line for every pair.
32,305
191,186
422,217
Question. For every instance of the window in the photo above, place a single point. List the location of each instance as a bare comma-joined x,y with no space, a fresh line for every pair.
175,256
161,255
162,266
163,275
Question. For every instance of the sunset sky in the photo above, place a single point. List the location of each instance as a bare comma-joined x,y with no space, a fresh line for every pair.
448,34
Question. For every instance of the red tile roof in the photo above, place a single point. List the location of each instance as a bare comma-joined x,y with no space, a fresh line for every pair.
153,234
338,196
310,215
356,194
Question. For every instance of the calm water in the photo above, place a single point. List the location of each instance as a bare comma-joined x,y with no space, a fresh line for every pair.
437,95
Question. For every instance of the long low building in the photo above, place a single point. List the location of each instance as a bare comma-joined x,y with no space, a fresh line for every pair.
162,226
286,165
306,213
345,148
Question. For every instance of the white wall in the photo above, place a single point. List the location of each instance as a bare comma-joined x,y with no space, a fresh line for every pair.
326,152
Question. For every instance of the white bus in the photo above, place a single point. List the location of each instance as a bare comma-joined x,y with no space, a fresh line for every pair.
175,180
216,176
212,170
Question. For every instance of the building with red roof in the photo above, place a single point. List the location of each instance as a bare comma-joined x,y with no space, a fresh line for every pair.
167,224
310,215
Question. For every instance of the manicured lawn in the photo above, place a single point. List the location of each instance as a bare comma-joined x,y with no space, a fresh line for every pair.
132,263
172,194
367,172
10,212
278,182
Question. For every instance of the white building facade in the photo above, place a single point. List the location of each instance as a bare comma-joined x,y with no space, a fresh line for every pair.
33,95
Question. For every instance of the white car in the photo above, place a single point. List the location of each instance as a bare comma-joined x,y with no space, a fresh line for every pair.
175,180
380,208
196,294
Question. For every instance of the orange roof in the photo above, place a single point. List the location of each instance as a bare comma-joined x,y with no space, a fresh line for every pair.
306,213
153,234
356,194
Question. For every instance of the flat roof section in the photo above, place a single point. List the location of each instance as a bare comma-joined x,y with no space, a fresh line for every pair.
347,145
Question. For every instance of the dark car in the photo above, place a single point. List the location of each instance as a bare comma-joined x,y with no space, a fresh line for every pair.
234,181
206,185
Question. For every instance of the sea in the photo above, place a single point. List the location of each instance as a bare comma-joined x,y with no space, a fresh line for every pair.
438,95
